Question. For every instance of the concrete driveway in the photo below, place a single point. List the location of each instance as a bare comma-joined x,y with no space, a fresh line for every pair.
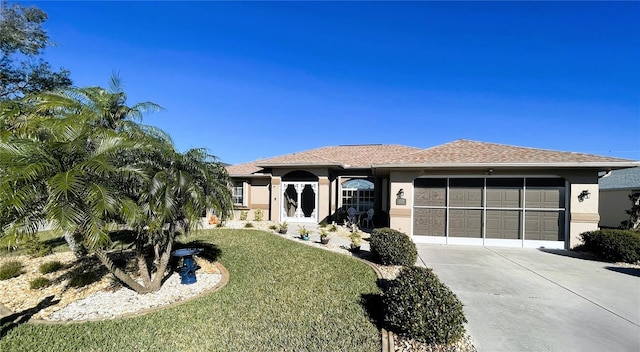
540,300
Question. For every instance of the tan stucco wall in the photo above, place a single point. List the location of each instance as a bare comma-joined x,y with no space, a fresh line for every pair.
400,215
276,194
583,216
257,197
613,207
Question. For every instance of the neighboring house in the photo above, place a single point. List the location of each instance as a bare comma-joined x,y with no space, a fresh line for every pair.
615,188
463,192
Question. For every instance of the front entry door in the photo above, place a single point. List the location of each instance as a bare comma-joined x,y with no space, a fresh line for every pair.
299,202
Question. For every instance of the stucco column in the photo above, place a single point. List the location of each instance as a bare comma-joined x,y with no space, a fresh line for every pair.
584,211
400,211
276,193
323,198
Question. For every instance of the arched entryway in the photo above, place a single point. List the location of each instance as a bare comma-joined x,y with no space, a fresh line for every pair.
299,197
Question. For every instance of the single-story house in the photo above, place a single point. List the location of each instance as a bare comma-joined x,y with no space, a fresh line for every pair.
462,192
615,188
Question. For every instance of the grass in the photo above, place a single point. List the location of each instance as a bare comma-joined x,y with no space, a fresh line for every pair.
10,270
39,282
50,267
282,296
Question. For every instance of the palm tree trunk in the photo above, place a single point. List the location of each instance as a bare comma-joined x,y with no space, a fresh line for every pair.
76,247
164,261
121,275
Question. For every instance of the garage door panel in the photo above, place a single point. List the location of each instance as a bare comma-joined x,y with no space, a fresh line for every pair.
465,223
429,222
544,225
503,224
544,198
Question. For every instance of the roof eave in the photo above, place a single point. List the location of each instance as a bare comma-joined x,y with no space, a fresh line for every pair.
299,164
606,165
249,175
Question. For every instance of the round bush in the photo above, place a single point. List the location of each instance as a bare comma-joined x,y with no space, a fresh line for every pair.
613,245
418,305
392,247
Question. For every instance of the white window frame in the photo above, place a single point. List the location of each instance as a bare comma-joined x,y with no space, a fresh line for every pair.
243,186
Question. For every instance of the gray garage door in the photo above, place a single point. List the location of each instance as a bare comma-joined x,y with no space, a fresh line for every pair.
490,211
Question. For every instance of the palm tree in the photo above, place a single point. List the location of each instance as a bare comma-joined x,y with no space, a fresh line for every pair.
78,161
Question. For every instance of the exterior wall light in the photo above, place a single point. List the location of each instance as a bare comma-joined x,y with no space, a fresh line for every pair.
399,198
585,194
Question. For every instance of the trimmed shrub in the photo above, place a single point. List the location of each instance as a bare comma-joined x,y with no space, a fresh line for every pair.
258,215
418,305
10,270
248,225
243,215
613,245
39,283
49,267
392,247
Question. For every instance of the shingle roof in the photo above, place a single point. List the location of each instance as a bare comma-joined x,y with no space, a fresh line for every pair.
459,153
622,179
471,152
346,156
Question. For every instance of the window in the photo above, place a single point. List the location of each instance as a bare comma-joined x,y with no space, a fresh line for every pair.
237,193
358,194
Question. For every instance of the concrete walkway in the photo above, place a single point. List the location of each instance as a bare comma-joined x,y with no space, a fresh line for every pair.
537,300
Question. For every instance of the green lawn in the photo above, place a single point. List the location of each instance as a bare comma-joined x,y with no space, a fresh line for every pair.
282,296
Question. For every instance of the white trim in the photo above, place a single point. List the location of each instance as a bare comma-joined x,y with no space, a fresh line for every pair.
299,186
544,244
466,241
430,239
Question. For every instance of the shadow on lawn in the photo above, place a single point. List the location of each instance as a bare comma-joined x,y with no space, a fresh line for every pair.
11,321
210,252
373,305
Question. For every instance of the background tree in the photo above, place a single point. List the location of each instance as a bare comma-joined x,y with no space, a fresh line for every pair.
634,213
22,41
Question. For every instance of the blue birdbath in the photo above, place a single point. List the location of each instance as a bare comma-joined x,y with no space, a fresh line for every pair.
188,268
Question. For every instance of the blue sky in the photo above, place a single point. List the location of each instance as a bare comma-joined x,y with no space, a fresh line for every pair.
251,80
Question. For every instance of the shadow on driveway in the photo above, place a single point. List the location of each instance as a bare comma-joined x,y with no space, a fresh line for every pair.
628,271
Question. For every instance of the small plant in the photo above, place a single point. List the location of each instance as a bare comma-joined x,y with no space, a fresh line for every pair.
323,224
304,233
220,224
324,236
392,247
10,270
258,215
333,227
50,267
418,305
39,283
273,227
83,279
243,215
248,225
283,228
356,239
34,247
